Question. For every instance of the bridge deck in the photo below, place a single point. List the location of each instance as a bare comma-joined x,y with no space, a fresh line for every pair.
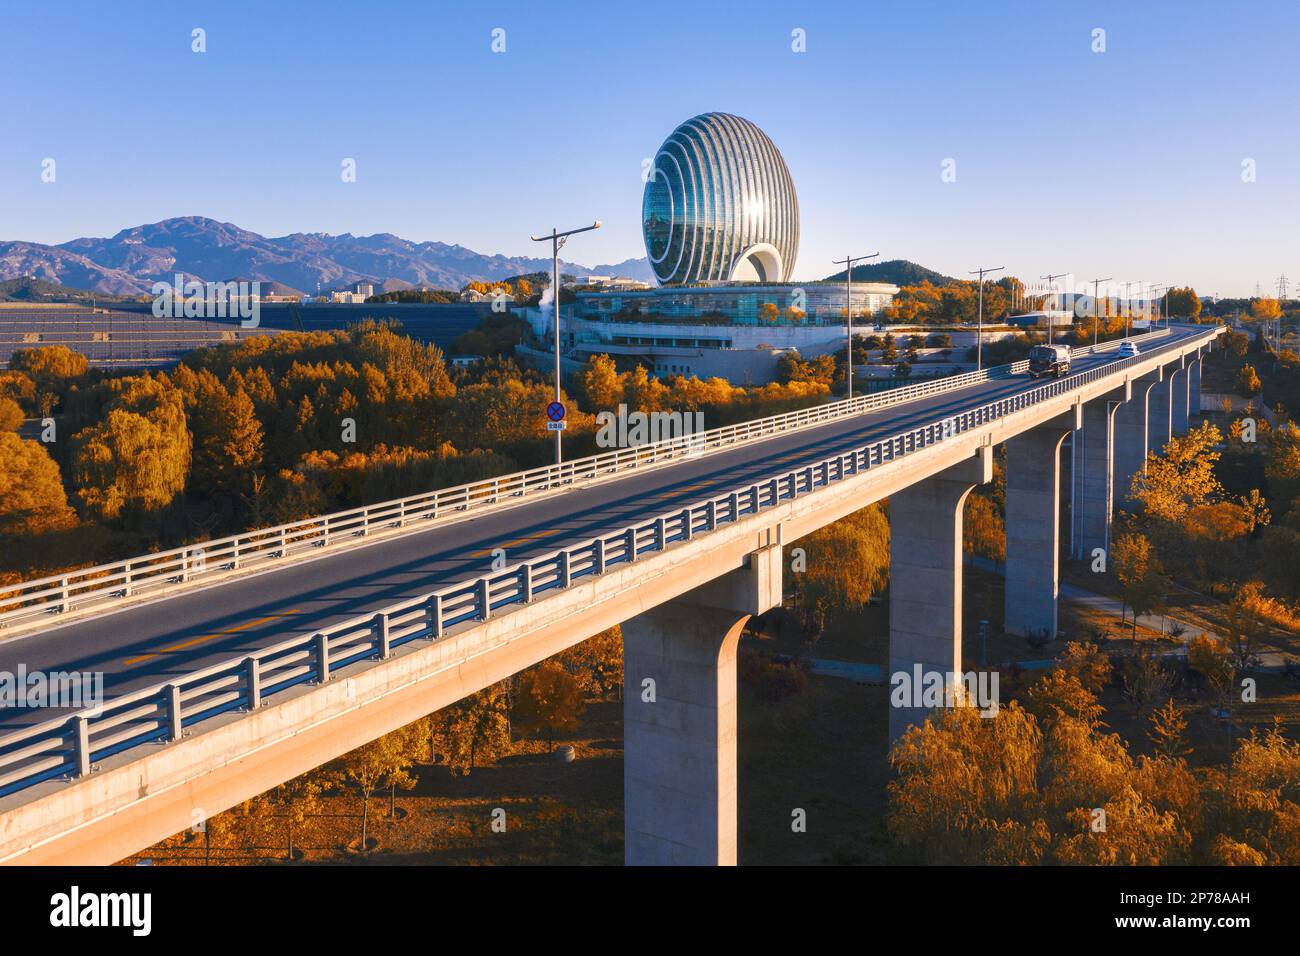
146,644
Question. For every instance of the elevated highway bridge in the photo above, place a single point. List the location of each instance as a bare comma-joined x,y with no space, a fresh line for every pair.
234,665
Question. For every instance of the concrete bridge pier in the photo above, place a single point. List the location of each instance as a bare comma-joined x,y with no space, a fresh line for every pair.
1160,424
1179,401
679,717
1034,525
1131,421
925,574
1194,385
1094,461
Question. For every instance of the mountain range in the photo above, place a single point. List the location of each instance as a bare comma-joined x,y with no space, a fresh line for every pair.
130,262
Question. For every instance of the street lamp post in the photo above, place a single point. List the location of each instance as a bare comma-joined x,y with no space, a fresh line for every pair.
1096,310
848,263
1128,311
1050,280
979,329
1154,289
557,242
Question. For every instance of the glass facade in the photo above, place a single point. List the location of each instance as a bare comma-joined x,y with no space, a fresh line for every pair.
720,205
810,303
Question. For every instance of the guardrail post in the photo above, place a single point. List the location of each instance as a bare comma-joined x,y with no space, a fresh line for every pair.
598,555
382,647
733,503
365,522
631,544
65,604
711,515
174,727
235,563
401,513
81,743
284,548
326,532
126,582
484,599
322,658
566,575
253,682
686,524
433,614
185,565
526,582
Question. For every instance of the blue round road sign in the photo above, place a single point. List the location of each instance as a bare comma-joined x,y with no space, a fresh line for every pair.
555,411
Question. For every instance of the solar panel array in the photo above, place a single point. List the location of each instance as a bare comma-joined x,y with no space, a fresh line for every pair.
135,338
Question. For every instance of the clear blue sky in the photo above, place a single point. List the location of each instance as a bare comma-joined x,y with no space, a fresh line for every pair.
1125,163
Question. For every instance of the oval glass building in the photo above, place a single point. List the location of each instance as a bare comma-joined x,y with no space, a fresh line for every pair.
720,205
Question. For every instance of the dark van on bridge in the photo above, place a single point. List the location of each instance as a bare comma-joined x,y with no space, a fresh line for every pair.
1051,360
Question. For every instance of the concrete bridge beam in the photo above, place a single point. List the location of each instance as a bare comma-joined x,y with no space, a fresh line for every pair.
679,717
1033,525
925,575
1094,460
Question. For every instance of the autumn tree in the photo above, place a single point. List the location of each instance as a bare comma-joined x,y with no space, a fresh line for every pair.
32,499
1211,658
1254,809
1183,303
475,728
1181,477
11,415
846,564
385,762
1247,382
549,699
1143,584
1265,310
983,529
1168,733
295,800
597,662
138,456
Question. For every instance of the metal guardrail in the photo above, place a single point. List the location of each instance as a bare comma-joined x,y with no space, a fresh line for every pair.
27,602
71,745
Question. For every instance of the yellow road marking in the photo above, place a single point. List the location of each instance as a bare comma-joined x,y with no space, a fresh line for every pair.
207,637
679,491
515,543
